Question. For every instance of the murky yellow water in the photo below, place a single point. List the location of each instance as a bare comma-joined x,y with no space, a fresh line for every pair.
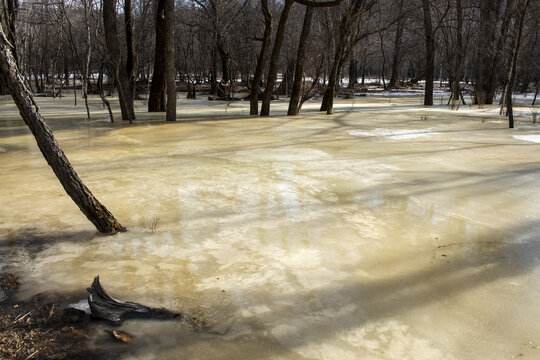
385,231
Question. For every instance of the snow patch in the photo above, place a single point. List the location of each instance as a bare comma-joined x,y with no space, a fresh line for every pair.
393,134
531,138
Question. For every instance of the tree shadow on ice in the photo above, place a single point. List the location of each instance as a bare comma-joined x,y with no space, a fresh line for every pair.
341,308
34,240
334,311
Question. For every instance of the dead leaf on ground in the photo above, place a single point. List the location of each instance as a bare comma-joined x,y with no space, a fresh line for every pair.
120,335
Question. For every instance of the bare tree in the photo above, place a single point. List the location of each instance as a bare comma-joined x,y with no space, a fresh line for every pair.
300,59
257,77
517,39
348,36
276,49
278,42
118,61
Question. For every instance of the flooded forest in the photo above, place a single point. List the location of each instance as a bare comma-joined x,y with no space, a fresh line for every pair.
269,179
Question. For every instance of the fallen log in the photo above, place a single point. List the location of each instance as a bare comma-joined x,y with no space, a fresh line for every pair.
103,306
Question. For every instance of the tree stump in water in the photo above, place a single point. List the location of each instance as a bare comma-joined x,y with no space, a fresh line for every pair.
105,307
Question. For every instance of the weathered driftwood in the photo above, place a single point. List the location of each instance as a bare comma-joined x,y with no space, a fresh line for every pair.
105,307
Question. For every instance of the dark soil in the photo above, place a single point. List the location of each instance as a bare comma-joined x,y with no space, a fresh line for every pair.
43,327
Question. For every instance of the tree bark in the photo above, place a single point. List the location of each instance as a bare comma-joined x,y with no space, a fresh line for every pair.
397,49
458,62
10,12
87,9
102,94
484,89
350,19
353,73
225,57
522,9
257,77
10,17
430,53
118,62
272,70
98,214
328,98
130,55
170,73
300,58
156,100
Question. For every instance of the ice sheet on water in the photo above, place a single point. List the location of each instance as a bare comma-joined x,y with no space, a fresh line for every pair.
393,134
531,138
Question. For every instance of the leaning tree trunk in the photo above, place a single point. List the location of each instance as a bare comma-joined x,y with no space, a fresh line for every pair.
259,70
118,62
272,70
10,15
300,58
98,214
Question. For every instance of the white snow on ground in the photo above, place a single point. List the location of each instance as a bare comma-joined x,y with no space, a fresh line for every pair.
531,138
401,93
393,134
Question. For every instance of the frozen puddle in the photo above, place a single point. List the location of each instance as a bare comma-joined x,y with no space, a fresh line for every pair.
393,134
531,138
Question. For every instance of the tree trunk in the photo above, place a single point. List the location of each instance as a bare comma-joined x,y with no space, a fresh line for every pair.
87,58
10,12
255,89
300,58
272,70
522,9
102,94
170,73
118,63
484,86
349,20
328,98
383,63
102,219
430,53
213,73
458,59
225,57
130,56
156,100
285,85
397,49
353,73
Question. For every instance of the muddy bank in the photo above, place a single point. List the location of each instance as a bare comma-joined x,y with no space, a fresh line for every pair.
43,328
